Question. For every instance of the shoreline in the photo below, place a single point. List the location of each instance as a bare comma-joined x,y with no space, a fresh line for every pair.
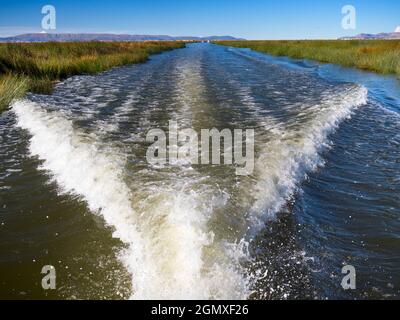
380,56
36,67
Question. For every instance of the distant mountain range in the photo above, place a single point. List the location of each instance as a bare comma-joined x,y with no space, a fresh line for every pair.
65,37
382,36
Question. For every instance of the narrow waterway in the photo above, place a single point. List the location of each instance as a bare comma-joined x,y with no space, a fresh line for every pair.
77,192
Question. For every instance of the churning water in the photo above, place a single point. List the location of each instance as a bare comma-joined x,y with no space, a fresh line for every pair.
77,192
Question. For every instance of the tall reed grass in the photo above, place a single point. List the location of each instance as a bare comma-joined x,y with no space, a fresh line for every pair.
11,87
37,66
382,56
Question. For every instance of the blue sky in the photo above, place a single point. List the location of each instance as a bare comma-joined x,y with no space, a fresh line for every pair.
251,19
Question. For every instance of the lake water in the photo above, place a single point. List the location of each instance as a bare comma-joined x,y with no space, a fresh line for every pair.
77,193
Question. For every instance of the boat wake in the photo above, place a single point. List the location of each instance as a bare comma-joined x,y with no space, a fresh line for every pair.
166,218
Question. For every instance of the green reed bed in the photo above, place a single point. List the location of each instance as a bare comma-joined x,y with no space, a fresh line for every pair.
382,56
37,66
11,87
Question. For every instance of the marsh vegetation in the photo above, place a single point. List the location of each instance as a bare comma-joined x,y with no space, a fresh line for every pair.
37,66
382,56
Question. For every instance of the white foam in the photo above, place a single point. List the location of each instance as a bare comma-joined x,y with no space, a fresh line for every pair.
293,152
80,167
165,228
171,252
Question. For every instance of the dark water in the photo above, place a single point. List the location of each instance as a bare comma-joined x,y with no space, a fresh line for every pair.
77,192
